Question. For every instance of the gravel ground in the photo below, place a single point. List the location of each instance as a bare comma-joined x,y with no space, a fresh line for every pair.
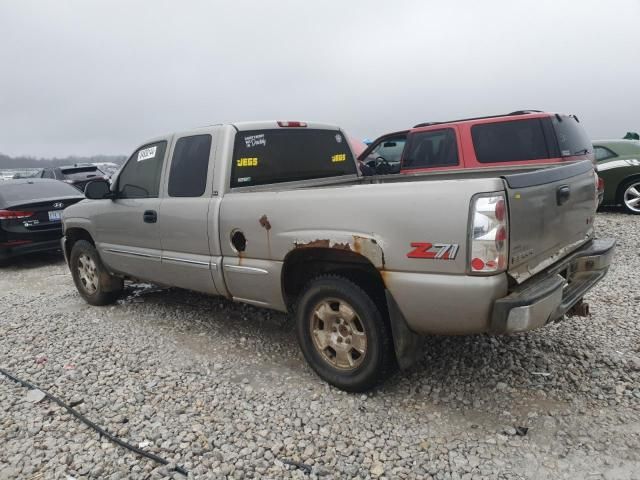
223,390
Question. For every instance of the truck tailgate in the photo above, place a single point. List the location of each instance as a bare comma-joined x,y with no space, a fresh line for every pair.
551,213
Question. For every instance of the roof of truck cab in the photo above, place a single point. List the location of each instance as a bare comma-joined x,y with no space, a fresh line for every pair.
271,124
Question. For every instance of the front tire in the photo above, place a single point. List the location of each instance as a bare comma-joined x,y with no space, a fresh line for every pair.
93,281
630,197
343,334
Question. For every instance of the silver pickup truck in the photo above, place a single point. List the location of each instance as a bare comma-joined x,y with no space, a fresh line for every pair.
276,214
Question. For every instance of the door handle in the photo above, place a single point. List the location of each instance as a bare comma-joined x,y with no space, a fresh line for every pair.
562,194
150,216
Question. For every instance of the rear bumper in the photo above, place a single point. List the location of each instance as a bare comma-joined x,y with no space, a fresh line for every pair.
550,294
18,250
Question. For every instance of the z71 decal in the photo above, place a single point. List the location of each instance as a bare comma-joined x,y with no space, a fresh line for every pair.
436,251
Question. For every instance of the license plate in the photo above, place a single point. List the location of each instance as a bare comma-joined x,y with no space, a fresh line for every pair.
55,215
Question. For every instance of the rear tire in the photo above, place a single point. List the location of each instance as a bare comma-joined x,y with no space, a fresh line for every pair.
630,196
93,281
344,336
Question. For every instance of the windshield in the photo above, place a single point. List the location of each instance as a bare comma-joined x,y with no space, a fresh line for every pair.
390,149
572,139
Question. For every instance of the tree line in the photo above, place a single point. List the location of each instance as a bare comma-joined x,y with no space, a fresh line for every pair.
7,162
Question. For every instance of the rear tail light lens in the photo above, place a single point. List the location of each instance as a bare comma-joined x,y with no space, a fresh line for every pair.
489,242
599,189
14,214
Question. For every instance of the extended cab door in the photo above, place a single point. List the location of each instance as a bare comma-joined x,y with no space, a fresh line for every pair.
126,228
185,213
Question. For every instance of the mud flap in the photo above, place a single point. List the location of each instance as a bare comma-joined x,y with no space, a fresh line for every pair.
407,344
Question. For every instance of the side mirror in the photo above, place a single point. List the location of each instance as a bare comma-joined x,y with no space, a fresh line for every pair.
98,190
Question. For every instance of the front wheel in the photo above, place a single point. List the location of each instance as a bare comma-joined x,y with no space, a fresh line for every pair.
93,281
631,196
343,334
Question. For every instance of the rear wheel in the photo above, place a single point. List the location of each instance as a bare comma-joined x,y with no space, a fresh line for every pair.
631,196
94,283
343,334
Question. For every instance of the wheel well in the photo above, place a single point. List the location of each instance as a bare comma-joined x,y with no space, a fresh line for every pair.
73,235
621,185
300,266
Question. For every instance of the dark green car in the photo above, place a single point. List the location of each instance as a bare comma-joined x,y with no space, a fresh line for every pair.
619,167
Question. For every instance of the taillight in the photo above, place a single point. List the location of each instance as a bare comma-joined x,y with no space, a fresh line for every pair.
489,237
599,182
291,124
14,214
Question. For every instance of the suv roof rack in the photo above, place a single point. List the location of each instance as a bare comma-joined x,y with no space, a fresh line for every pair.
517,112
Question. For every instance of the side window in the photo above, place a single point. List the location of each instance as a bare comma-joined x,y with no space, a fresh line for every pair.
434,148
509,141
188,176
140,177
603,153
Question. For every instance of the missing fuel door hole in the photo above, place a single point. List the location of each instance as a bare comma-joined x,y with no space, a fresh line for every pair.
238,241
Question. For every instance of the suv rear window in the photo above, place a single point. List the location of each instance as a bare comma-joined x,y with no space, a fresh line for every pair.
262,157
81,172
572,139
510,141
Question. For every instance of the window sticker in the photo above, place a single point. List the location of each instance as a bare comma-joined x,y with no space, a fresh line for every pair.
338,138
146,153
254,140
247,162
339,157
244,179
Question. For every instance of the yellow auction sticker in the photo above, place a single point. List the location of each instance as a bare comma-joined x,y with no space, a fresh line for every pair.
339,157
247,162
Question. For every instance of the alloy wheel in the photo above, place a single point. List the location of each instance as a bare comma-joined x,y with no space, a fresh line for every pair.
631,197
338,334
88,273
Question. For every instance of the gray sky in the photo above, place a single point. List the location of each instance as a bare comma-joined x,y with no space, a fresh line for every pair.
98,77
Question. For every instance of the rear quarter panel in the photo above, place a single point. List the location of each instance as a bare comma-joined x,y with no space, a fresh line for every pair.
394,215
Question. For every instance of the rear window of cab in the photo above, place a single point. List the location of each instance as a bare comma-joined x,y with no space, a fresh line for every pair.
262,157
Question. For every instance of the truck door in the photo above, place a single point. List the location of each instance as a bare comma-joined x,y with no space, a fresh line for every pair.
185,212
127,228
